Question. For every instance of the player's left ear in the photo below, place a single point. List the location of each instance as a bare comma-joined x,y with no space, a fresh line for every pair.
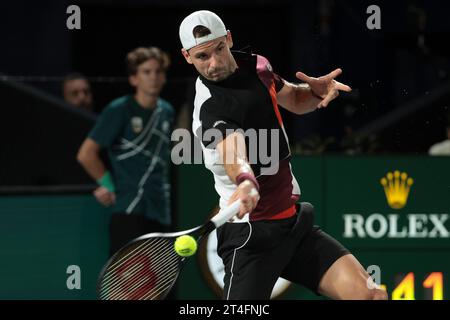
186,55
229,39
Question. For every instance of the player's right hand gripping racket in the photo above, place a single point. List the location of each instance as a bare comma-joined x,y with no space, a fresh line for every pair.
147,267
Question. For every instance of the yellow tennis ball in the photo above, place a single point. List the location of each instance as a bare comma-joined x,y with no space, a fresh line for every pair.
185,246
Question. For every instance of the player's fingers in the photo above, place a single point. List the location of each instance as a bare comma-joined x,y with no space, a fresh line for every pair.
342,87
97,195
246,205
333,74
104,198
303,77
102,201
96,192
242,213
254,194
105,201
330,96
243,209
100,191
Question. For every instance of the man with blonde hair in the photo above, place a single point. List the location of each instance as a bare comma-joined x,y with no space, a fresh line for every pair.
135,130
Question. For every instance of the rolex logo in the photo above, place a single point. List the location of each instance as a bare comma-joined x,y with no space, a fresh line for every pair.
377,225
396,187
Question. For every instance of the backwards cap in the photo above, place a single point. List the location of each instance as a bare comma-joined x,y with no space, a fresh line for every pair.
203,18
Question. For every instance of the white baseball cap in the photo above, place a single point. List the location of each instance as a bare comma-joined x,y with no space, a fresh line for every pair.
203,18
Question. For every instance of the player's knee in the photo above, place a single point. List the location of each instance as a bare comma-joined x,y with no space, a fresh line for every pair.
371,294
307,207
359,290
379,294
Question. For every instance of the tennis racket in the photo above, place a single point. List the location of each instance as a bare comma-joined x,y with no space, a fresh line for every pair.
147,267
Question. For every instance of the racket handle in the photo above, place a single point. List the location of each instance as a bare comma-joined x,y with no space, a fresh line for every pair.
226,214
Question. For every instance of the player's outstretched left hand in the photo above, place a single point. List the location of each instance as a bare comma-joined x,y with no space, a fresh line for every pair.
325,87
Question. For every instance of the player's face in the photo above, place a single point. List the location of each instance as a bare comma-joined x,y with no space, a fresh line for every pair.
149,78
213,59
78,93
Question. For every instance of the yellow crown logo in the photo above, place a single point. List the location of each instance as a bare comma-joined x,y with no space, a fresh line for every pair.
396,187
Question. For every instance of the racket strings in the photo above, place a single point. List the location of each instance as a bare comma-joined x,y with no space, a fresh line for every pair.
146,271
157,243
166,283
138,280
132,261
125,281
130,273
139,254
135,278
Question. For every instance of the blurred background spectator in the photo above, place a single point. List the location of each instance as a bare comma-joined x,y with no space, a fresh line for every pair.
77,91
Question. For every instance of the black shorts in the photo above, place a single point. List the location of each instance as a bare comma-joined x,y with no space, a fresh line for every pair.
256,254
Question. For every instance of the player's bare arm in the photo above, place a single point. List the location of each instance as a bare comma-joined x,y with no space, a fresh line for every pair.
232,151
89,157
312,94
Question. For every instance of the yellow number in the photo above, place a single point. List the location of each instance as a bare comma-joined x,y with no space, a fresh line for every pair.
435,281
405,289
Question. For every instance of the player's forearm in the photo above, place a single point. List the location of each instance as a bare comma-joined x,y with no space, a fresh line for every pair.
298,98
92,163
304,100
233,155
240,166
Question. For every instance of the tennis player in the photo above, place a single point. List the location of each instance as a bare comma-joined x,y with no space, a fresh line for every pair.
272,237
